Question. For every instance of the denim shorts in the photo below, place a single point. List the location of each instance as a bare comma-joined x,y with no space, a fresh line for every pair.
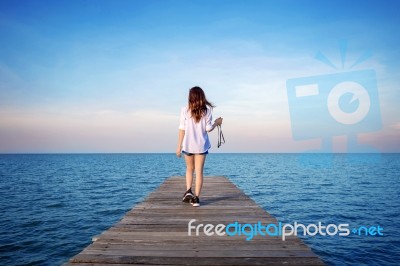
190,154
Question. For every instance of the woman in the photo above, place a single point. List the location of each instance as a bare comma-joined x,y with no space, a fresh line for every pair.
193,142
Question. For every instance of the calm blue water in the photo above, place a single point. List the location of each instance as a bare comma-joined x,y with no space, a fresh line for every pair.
52,205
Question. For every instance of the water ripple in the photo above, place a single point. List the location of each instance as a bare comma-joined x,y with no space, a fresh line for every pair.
51,205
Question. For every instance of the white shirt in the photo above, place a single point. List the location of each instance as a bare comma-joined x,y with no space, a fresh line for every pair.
196,137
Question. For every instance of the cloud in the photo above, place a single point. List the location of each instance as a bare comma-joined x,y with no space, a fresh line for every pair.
119,88
395,126
99,131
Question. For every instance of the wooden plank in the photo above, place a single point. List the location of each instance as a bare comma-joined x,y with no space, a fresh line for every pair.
155,232
208,246
153,260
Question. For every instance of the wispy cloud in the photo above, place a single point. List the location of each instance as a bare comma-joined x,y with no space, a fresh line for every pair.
81,81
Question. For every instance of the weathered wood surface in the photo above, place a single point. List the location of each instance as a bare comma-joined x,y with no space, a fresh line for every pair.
155,232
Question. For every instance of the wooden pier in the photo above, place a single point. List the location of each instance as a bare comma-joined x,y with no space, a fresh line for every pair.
155,232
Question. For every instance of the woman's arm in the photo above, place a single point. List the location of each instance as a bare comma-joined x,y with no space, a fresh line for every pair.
181,134
217,122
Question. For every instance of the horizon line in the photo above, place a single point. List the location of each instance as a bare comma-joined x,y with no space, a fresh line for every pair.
127,153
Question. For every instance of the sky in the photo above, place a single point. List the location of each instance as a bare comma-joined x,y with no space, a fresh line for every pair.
112,76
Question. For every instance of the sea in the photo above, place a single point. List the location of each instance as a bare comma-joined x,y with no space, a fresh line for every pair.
51,205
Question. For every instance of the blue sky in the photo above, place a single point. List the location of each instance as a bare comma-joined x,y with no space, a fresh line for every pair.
111,76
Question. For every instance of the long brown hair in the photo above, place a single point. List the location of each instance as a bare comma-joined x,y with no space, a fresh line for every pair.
198,103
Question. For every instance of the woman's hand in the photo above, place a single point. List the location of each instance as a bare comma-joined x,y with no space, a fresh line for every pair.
218,121
178,152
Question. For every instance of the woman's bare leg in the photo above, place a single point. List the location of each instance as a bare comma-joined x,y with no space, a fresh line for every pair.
199,166
189,170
